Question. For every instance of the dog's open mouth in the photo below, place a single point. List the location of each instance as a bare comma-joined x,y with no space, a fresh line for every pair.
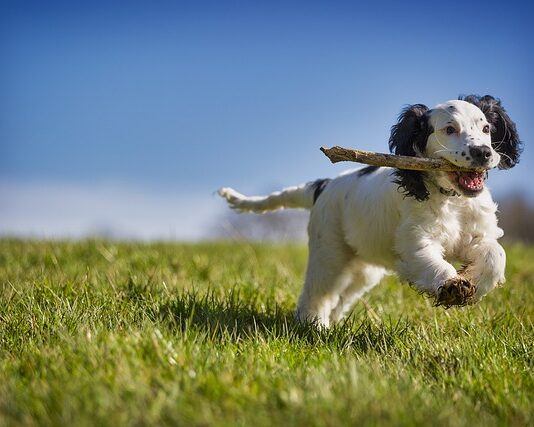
471,183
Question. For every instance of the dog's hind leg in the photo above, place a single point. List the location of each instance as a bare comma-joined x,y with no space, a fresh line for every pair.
327,274
363,278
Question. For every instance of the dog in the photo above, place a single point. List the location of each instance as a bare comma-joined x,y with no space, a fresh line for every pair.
375,221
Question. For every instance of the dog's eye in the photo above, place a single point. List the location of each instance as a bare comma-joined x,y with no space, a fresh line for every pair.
486,129
450,130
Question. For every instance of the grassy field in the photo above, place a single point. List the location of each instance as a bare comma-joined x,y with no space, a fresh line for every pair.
101,333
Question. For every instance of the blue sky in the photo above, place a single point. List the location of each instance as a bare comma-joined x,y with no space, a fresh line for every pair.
129,115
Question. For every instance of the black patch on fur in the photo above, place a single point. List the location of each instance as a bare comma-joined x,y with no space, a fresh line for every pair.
412,184
367,170
408,135
504,136
319,186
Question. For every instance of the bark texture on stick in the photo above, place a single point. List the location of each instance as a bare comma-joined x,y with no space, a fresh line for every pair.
340,154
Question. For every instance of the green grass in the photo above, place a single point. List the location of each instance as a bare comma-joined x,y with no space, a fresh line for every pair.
101,333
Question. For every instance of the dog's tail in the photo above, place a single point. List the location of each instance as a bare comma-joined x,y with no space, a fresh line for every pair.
302,196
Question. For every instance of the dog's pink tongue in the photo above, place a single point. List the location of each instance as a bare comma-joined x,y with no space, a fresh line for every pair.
472,180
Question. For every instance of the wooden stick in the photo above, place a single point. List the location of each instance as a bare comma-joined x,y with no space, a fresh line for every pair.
340,154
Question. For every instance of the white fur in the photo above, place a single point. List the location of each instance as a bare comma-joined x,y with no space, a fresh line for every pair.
362,227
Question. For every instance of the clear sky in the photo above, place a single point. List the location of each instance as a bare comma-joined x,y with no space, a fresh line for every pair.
128,116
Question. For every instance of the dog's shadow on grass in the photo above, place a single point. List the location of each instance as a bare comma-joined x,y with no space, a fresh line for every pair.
236,319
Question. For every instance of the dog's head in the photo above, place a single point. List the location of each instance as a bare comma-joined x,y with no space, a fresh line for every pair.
470,132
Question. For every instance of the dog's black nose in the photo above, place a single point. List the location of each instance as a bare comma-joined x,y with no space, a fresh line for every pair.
481,155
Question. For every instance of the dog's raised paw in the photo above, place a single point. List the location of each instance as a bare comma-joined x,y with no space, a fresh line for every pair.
456,291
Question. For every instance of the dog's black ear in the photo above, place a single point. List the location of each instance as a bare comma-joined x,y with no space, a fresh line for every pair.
411,131
408,138
504,136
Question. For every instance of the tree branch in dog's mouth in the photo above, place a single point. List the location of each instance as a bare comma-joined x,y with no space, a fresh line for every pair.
339,154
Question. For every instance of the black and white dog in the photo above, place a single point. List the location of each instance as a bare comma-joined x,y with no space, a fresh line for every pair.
374,221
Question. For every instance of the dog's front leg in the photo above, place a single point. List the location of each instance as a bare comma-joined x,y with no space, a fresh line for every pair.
486,262
422,264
